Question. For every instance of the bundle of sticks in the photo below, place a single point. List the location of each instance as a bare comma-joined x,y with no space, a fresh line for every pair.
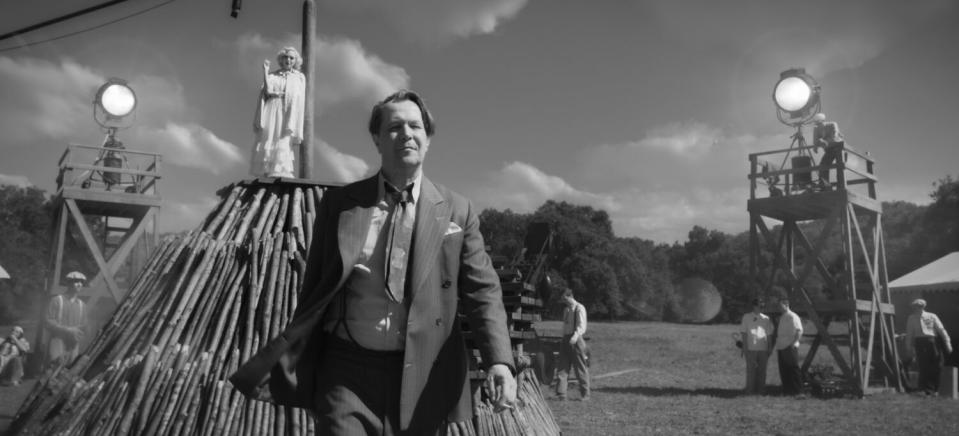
204,303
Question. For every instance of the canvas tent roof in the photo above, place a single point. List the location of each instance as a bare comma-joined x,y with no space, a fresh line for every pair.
939,275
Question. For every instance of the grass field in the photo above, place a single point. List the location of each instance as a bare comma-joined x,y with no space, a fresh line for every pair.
655,378
687,379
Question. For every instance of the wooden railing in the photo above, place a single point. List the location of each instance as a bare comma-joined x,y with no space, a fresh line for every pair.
783,175
107,168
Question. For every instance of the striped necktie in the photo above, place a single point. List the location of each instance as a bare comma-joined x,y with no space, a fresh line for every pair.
399,237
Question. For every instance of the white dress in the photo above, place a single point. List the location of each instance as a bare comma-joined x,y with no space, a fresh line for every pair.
279,116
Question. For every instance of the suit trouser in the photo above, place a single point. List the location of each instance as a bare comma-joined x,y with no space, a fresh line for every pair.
575,356
930,362
359,390
789,371
756,371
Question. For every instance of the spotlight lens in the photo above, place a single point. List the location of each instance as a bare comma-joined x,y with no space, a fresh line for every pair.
792,94
118,100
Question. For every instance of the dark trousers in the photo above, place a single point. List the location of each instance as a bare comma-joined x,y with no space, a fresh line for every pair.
572,356
359,390
789,371
929,359
832,154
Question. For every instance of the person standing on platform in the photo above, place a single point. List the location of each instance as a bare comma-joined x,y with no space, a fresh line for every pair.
278,122
572,351
788,333
66,321
826,135
756,329
929,342
375,345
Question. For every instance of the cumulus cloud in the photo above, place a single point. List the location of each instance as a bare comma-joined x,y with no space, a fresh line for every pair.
692,139
336,166
668,215
190,145
671,156
52,100
658,187
823,39
185,214
523,188
14,180
349,72
438,21
43,99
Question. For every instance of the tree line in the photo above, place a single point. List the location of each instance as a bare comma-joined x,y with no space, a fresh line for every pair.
630,278
617,278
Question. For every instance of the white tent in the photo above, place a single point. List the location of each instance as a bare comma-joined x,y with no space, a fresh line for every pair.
936,282
3,273
940,275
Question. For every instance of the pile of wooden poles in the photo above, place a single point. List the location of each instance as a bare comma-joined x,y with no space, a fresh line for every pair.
531,416
204,303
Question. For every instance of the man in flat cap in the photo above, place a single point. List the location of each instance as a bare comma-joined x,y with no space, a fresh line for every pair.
66,322
922,331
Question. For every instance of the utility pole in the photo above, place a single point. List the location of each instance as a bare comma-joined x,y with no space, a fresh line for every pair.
309,70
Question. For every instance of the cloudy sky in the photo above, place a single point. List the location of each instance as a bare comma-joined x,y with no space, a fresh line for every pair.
646,109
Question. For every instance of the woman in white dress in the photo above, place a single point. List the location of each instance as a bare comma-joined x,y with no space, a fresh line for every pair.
278,123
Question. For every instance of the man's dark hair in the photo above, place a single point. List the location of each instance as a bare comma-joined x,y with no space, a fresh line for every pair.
376,117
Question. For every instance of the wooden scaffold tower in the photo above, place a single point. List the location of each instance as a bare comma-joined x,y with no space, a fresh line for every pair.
855,322
107,202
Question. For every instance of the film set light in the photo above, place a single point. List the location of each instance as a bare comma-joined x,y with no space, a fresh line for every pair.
114,108
797,101
796,96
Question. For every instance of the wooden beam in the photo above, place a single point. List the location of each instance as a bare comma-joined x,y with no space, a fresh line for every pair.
94,250
61,238
822,329
309,70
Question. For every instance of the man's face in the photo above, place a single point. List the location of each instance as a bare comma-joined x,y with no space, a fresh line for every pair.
402,140
783,306
75,286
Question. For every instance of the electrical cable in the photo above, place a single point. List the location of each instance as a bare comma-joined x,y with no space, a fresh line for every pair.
30,44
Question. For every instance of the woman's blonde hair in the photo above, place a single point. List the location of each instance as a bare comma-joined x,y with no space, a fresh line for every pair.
297,59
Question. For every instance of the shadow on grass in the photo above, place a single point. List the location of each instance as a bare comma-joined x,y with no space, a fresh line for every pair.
674,391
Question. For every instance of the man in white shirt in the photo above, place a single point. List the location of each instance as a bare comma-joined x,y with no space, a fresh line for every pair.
922,330
66,322
787,349
756,329
572,351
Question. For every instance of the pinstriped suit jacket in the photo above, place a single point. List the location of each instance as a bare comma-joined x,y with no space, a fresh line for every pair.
449,267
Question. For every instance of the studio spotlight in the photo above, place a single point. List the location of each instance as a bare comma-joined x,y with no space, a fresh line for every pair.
796,96
113,108
114,103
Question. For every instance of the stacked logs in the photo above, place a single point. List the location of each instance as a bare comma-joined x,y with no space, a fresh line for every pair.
205,302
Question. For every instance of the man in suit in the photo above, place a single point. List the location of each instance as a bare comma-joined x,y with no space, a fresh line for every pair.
375,345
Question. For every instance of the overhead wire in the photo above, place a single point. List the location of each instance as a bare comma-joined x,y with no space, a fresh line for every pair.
98,26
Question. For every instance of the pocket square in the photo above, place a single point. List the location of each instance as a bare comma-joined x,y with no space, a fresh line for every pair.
453,228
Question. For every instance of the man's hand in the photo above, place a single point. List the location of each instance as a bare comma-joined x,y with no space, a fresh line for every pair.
501,386
572,341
